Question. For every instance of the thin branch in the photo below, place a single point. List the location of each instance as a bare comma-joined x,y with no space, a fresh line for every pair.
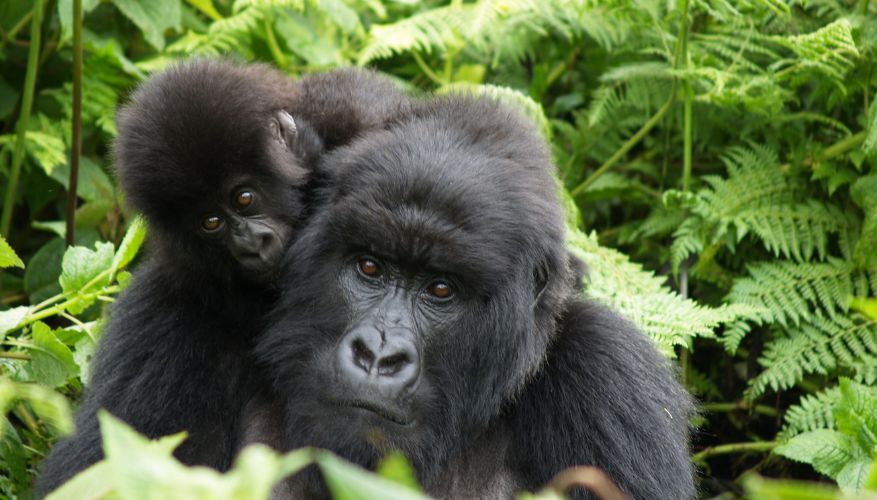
30,78
625,148
14,355
727,449
76,147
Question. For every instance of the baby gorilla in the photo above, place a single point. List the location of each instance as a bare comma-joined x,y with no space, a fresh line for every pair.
444,321
218,158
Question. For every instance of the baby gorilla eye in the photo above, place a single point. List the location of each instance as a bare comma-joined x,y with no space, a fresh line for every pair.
439,289
211,223
244,198
369,267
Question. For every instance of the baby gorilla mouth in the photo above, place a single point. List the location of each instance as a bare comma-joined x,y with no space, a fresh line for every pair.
389,414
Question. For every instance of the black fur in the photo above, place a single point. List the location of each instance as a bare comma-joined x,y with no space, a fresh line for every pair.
175,353
519,376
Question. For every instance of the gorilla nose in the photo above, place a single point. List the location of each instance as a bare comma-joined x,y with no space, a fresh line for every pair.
388,363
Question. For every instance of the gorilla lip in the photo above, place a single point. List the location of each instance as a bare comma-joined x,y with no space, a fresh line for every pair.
381,411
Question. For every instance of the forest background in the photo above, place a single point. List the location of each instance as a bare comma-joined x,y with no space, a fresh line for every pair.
718,157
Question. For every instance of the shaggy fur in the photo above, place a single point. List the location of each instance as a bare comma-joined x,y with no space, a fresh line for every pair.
175,354
519,375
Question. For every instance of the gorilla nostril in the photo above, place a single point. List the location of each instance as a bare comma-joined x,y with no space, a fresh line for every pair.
363,357
391,365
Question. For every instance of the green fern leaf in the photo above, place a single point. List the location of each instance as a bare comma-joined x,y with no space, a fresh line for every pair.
813,411
790,293
639,295
820,346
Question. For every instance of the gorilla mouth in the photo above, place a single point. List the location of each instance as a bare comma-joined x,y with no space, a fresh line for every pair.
381,411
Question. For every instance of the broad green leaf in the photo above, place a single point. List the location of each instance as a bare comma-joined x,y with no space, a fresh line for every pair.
759,488
8,257
853,476
82,355
130,245
826,450
10,318
206,6
89,484
341,15
139,468
350,482
65,15
93,185
152,17
50,405
396,468
51,361
856,415
866,306
43,269
82,265
12,452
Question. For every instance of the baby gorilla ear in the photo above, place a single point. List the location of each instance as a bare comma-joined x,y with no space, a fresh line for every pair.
283,128
297,137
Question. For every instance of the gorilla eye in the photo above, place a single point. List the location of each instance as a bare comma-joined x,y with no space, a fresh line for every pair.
244,198
369,267
439,289
211,223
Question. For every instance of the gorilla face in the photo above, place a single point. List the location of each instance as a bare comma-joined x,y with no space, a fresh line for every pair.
207,153
424,288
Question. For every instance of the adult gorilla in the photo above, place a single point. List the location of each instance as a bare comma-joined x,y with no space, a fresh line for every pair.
432,309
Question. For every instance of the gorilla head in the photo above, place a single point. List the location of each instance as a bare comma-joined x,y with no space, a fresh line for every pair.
208,154
425,289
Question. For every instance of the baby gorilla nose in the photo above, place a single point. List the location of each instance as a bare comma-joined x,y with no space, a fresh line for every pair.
386,363
256,247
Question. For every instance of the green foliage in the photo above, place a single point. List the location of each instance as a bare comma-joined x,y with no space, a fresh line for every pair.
137,468
845,453
757,269
671,320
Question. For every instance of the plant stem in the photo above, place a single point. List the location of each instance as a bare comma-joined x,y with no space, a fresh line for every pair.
271,39
841,147
14,355
427,70
10,35
624,148
680,60
23,117
76,147
738,406
726,449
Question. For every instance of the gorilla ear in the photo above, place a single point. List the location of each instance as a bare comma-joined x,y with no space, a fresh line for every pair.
283,128
540,282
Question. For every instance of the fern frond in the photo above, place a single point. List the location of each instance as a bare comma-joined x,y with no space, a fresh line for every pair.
820,346
758,197
500,25
232,33
812,412
792,293
830,50
641,296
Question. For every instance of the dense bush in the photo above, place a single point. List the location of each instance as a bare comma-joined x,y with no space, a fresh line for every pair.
729,148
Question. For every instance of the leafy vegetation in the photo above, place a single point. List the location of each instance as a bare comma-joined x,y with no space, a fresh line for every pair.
719,160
